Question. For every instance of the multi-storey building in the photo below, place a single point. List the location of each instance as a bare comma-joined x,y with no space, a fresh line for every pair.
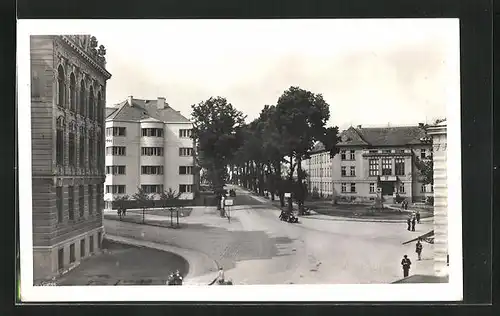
385,158
68,92
148,146
319,171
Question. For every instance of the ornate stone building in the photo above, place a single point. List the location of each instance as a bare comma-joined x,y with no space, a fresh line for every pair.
68,92
439,144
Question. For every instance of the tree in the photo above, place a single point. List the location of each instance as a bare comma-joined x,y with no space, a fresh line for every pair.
215,122
301,118
170,200
425,169
143,199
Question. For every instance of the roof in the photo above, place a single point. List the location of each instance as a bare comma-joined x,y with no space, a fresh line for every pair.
110,111
145,109
382,136
318,147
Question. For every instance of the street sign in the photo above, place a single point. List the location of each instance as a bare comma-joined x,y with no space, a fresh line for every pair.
228,202
287,195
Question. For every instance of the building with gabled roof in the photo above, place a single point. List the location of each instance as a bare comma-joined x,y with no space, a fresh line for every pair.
148,146
371,158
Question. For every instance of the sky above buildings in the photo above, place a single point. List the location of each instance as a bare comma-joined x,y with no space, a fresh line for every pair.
371,72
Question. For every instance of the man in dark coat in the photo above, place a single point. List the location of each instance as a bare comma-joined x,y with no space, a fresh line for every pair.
408,221
406,263
418,216
418,249
413,220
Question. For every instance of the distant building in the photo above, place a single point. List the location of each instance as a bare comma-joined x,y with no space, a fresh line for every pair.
372,158
68,91
319,171
148,145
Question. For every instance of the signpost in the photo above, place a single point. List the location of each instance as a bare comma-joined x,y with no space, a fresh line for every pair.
228,203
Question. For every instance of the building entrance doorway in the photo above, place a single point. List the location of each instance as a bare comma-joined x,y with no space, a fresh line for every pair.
387,188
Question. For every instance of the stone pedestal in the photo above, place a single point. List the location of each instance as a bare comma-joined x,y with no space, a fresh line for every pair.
439,143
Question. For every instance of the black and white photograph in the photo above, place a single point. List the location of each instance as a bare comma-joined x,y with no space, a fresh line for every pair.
240,160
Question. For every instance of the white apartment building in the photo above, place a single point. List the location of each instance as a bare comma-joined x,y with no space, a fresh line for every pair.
148,145
319,171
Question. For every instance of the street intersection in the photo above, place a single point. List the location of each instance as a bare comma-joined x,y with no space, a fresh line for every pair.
255,247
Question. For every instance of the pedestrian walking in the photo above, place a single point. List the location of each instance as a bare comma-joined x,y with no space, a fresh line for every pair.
418,249
406,263
220,276
408,221
413,220
418,216
406,205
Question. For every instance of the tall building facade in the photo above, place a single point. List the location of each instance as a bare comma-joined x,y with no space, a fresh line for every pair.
385,158
438,133
68,92
148,146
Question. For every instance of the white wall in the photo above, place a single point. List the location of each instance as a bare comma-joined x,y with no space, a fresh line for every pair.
172,178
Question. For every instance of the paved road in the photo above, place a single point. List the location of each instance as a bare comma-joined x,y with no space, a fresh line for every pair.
257,248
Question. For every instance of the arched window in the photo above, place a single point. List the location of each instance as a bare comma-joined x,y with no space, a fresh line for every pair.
72,92
92,157
99,108
72,144
82,98
91,103
60,141
100,156
61,87
82,147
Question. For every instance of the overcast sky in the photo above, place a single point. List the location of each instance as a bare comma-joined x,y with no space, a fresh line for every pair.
371,72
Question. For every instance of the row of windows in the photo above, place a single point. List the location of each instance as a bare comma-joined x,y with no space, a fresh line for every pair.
149,132
121,170
146,151
320,158
72,254
90,107
322,186
343,155
152,132
72,159
81,201
148,188
401,188
152,170
374,170
321,172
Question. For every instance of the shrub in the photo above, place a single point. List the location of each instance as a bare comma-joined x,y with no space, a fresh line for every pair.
399,198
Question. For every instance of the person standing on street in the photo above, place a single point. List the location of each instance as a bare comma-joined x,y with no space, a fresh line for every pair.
418,216
418,249
408,221
406,263
413,220
220,276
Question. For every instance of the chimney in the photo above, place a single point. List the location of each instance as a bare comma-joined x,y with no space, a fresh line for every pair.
130,100
359,126
160,103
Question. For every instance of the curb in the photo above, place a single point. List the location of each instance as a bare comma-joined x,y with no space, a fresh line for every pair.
187,254
339,218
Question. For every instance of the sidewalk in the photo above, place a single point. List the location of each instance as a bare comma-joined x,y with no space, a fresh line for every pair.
202,269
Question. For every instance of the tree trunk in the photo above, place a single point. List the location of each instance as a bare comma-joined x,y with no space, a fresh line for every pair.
300,188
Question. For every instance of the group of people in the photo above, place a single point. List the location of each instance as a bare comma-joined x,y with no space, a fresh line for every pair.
406,262
413,218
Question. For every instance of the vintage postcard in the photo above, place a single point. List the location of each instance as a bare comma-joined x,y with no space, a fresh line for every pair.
239,160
